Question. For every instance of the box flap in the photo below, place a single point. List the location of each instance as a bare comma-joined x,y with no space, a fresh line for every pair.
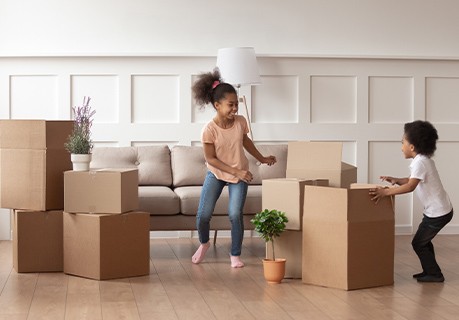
324,204
314,155
364,186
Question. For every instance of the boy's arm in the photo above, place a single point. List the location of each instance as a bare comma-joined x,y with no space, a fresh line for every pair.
393,180
407,187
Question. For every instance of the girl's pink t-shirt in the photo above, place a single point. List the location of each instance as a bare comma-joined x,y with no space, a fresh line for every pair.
228,145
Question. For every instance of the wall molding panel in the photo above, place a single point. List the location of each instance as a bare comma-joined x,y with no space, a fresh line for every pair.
364,102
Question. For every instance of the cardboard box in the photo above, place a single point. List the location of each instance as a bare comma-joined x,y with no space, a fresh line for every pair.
287,195
32,162
319,160
37,241
348,240
289,246
101,191
101,246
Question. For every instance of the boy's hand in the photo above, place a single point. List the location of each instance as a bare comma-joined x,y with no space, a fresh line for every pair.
378,193
391,180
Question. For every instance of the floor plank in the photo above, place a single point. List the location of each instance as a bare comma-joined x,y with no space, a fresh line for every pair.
83,299
49,298
185,298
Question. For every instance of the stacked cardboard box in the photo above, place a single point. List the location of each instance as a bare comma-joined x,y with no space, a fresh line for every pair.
287,195
32,162
104,237
37,241
348,240
308,163
101,191
107,246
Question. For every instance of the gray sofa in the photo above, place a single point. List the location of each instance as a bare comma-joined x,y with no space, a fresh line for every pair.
170,182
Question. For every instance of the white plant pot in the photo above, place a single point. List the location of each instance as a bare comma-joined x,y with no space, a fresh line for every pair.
80,161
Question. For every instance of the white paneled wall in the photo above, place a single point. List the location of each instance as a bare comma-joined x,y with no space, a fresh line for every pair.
363,102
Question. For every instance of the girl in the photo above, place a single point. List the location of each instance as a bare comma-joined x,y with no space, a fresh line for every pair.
224,139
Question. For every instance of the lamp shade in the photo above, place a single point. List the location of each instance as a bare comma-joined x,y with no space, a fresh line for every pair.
238,66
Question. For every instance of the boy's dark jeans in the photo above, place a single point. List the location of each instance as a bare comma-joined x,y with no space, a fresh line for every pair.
422,244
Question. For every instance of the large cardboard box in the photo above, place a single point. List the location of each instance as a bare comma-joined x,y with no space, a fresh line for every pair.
32,162
348,240
101,191
101,246
289,246
37,241
287,195
319,160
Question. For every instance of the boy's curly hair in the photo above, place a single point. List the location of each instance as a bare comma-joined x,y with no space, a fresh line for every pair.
423,136
209,88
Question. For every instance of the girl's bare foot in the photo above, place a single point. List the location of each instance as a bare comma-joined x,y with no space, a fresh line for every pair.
236,262
200,253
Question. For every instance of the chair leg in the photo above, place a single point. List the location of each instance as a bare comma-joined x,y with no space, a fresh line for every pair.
215,236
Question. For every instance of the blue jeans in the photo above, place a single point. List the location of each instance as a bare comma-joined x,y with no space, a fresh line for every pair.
422,242
211,191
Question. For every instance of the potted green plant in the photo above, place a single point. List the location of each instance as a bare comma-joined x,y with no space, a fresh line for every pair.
270,224
79,142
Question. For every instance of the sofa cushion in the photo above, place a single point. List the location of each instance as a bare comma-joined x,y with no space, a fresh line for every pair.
188,166
158,200
153,162
189,200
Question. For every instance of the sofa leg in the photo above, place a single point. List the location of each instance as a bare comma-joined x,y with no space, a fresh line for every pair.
215,237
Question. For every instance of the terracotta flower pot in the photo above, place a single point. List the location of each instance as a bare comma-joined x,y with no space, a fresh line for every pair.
274,271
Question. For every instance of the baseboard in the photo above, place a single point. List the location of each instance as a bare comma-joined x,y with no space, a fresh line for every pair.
399,230
194,234
403,229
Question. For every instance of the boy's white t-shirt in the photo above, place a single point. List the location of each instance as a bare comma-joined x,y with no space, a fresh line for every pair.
430,190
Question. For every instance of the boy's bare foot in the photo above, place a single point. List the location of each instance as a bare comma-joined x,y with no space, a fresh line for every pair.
236,262
200,253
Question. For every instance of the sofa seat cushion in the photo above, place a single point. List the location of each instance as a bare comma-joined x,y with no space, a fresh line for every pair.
158,200
189,200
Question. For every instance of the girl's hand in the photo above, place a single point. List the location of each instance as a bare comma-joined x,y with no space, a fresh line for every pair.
377,194
244,175
391,180
269,160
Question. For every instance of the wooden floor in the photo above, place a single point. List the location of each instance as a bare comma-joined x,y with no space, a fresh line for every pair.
176,289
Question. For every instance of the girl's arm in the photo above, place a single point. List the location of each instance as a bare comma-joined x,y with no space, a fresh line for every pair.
250,147
211,158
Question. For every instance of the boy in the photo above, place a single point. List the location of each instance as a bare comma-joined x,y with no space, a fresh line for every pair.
419,144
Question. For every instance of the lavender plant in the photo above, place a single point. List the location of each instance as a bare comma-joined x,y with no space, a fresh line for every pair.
79,141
